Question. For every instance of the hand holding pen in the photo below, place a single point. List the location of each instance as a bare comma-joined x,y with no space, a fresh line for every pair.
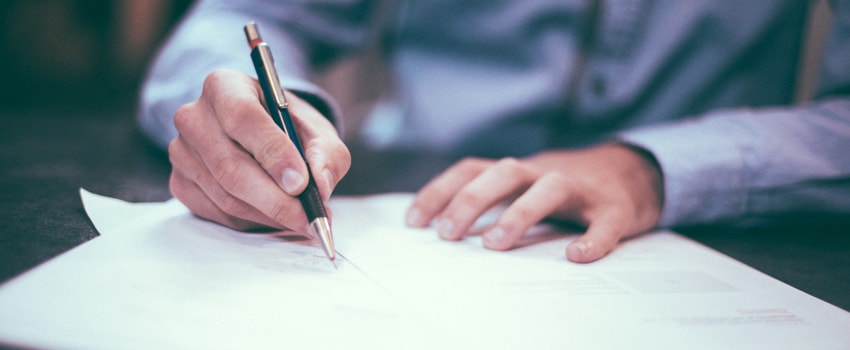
233,165
278,108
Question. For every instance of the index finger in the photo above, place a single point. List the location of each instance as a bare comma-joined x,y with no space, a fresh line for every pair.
437,193
237,102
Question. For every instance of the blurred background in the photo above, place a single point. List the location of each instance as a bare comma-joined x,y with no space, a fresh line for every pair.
78,54
82,57
90,56
70,71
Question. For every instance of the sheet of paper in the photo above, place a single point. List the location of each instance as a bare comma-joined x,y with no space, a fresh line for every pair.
165,279
111,214
657,291
174,281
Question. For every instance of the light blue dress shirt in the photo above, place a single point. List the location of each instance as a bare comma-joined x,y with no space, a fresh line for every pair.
707,87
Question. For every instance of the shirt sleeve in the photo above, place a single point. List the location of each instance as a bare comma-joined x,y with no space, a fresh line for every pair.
735,166
741,166
302,34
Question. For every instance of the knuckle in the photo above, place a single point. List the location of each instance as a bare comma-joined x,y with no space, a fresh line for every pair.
230,205
215,79
509,167
469,199
519,212
179,155
557,181
269,152
469,167
286,215
340,149
182,188
173,145
279,212
470,163
508,162
228,172
174,151
231,117
175,186
183,117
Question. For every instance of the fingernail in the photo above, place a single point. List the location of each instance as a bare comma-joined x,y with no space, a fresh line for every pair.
445,228
291,180
414,216
582,247
494,237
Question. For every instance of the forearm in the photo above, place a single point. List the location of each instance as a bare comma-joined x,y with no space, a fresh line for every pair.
736,165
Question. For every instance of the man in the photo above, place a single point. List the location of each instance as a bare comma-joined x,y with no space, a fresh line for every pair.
620,116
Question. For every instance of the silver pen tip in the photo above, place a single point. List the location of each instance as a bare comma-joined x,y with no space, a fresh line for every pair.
322,228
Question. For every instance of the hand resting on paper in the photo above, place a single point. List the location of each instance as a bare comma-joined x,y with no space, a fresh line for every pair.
613,190
231,164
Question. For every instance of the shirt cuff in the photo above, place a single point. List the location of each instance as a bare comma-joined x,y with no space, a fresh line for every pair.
703,169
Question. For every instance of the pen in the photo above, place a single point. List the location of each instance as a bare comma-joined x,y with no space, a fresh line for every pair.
279,111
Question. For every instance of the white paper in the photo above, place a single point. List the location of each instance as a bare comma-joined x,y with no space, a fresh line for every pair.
165,279
174,281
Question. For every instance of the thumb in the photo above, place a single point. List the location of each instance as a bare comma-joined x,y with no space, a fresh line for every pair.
292,171
601,237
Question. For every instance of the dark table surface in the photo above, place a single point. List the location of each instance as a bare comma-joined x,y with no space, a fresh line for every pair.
46,157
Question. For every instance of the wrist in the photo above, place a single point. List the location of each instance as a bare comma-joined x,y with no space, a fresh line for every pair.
648,171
